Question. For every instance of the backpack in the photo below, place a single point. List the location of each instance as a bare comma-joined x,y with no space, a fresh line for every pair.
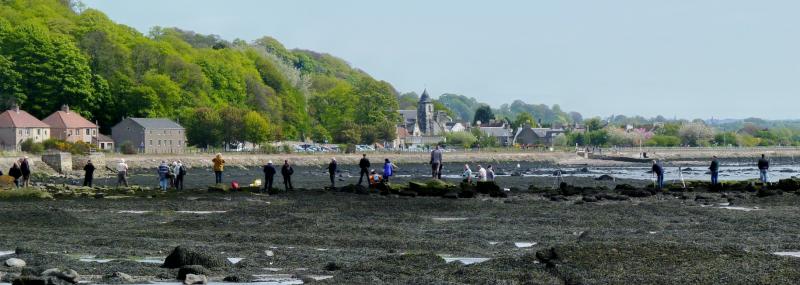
181,170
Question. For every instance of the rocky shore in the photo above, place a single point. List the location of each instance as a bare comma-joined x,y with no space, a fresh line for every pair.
587,231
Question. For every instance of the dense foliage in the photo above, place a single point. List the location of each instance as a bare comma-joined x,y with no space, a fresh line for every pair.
52,55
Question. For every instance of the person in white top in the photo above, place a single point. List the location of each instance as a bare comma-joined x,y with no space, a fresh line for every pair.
122,173
481,173
467,174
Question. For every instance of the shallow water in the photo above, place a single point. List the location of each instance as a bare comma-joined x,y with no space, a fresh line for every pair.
524,244
788,253
464,260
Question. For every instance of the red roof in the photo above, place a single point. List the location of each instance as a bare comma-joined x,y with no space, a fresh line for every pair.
20,119
402,132
68,120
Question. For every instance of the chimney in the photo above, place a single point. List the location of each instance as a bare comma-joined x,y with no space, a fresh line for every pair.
65,108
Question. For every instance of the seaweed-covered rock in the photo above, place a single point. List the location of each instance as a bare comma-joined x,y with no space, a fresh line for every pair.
431,188
487,187
332,266
118,278
182,256
31,280
764,192
605,177
613,197
631,191
788,184
192,269
238,278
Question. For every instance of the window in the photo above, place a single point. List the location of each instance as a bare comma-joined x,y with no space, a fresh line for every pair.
20,131
170,142
151,142
180,142
70,132
159,142
88,131
165,132
38,131
94,132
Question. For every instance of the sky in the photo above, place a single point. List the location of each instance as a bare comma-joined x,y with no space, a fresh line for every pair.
684,58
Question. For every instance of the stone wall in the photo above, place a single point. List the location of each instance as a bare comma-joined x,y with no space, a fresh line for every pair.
59,161
79,161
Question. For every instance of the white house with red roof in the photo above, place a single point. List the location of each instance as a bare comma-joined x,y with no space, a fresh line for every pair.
17,126
70,126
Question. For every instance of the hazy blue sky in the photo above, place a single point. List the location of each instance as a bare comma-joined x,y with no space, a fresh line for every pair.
691,59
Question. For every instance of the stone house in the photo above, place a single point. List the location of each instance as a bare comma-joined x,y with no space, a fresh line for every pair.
70,126
528,136
157,135
17,126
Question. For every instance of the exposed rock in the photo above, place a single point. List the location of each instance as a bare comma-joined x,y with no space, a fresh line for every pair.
605,177
238,278
590,199
332,266
67,275
192,279
118,278
764,192
30,280
487,187
788,184
557,198
702,197
15,263
192,269
182,256
613,197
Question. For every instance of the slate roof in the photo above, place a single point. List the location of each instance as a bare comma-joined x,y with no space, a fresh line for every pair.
20,119
156,123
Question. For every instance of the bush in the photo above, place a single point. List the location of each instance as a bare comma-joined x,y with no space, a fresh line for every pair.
32,147
127,148
287,149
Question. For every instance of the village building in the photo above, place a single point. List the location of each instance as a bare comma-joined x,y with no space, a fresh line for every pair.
71,127
497,129
150,135
528,136
17,126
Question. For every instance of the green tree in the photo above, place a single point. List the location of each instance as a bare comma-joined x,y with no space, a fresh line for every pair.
255,128
522,120
462,139
10,90
203,128
483,114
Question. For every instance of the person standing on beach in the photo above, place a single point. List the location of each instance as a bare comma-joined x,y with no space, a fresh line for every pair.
269,175
388,170
88,176
180,173
763,168
122,173
26,166
286,172
364,165
481,173
659,172
332,172
163,175
173,174
219,166
714,169
467,175
15,172
490,173
436,163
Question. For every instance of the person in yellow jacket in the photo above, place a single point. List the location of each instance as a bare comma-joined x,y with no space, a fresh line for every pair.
219,166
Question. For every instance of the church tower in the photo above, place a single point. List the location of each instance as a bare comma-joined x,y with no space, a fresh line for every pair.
425,118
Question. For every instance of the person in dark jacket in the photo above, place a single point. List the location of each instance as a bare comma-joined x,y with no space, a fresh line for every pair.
25,166
88,176
714,169
659,172
332,172
364,165
269,175
763,168
286,172
180,173
436,163
15,172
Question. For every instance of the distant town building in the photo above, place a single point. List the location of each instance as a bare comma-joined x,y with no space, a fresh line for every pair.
498,129
70,126
17,126
424,119
150,135
528,136
103,142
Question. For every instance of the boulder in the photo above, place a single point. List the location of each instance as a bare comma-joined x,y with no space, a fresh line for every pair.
332,266
192,269
605,177
67,275
788,185
183,255
192,279
487,187
30,280
118,278
238,279
15,263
